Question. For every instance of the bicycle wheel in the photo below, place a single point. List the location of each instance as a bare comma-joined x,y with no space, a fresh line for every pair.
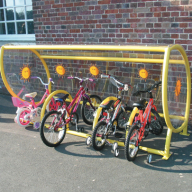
53,129
123,117
98,137
23,117
156,125
87,111
131,143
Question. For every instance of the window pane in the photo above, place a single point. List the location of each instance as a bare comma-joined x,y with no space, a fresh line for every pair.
1,15
10,14
21,28
2,28
20,13
11,28
28,2
29,12
1,3
30,27
8,3
19,2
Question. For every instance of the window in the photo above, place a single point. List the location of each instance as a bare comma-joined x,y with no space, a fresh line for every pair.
16,20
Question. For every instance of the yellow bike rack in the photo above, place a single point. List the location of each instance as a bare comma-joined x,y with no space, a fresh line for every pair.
140,48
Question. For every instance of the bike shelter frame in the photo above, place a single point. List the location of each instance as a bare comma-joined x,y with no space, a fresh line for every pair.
140,48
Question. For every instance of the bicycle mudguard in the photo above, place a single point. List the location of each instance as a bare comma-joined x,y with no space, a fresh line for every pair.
19,103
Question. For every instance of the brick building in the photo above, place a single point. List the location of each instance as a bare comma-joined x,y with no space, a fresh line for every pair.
98,22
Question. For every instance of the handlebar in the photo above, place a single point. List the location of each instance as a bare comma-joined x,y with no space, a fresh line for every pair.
46,84
80,79
115,82
155,85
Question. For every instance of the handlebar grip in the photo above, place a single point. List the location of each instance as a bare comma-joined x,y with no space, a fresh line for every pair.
70,77
105,76
33,77
91,79
51,80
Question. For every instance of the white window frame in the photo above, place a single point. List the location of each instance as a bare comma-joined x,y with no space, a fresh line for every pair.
16,37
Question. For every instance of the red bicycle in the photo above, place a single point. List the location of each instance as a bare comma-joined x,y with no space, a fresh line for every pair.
53,126
143,124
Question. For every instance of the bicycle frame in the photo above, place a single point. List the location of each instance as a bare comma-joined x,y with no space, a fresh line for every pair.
34,105
144,118
117,105
77,99
19,103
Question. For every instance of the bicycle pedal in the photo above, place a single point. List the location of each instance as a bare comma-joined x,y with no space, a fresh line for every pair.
118,135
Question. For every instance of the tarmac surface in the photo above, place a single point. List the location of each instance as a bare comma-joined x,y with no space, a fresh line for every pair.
27,164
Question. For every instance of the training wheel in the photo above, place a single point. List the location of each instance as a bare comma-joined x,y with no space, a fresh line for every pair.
15,119
36,125
149,158
116,152
88,141
114,146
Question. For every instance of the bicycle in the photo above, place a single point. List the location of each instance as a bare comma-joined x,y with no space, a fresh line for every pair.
53,126
111,111
30,111
143,124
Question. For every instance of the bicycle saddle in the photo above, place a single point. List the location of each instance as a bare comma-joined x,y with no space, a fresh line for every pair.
107,105
31,95
63,98
140,104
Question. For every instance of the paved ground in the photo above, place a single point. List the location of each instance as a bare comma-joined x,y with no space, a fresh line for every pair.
26,164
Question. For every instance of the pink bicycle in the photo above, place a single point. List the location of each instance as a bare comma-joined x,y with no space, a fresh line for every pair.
30,111
53,126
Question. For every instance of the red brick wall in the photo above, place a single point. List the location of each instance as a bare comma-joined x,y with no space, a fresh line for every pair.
114,22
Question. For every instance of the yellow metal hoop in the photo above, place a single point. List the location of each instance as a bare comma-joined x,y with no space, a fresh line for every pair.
164,88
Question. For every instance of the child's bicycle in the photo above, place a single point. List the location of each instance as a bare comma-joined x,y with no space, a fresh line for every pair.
143,123
53,126
112,114
30,111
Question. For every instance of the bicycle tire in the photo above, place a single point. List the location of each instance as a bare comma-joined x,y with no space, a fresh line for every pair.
20,117
88,109
158,124
55,136
123,117
98,145
130,154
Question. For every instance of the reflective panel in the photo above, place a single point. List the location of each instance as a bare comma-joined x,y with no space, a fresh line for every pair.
19,2
1,15
30,27
21,28
11,28
8,3
10,14
2,28
20,13
28,2
29,12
